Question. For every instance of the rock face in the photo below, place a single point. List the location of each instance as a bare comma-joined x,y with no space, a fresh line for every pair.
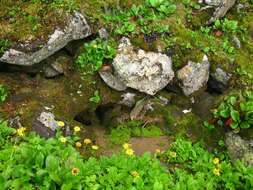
239,148
77,28
146,72
194,76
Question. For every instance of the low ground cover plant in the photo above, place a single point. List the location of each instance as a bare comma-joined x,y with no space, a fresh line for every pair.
30,162
235,112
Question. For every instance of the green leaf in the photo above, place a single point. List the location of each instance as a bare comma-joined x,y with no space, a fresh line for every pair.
39,160
235,115
234,125
232,100
52,163
244,125
224,113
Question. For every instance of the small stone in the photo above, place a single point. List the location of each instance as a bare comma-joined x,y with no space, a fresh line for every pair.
103,33
218,81
237,42
128,99
194,76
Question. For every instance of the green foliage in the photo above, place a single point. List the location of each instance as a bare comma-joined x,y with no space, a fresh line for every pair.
123,132
236,111
193,167
5,132
227,26
162,6
4,45
143,18
120,134
3,93
35,163
149,131
95,53
96,97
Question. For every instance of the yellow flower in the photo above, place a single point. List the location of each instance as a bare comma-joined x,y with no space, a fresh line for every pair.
60,123
78,144
94,147
21,131
158,151
75,171
216,171
63,139
77,129
87,141
173,154
130,152
126,146
135,174
216,161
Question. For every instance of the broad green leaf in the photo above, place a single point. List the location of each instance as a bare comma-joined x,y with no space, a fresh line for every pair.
224,113
52,163
234,125
235,115
244,125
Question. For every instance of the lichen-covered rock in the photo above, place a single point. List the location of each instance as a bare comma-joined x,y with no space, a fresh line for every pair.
221,10
211,2
45,124
194,76
218,81
77,28
128,99
239,148
146,72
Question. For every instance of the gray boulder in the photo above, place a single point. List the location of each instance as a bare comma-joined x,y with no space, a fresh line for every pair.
239,149
193,76
146,72
77,28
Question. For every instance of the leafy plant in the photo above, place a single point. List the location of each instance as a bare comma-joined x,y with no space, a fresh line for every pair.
3,93
96,97
162,6
36,163
5,132
95,53
4,45
193,167
123,132
236,111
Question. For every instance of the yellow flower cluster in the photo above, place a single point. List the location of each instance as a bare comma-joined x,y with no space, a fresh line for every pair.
60,123
135,174
173,154
89,142
63,139
77,129
78,144
216,170
128,149
21,131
